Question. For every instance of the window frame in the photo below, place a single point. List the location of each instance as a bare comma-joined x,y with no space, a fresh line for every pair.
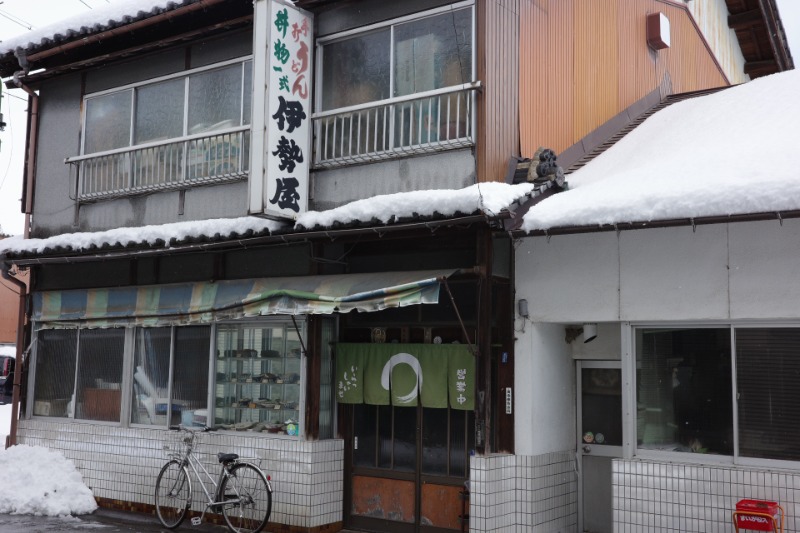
630,354
128,361
185,74
321,42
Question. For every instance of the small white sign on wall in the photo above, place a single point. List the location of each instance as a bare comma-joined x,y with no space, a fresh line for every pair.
281,134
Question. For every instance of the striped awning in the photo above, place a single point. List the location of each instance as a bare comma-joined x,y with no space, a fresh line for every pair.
197,303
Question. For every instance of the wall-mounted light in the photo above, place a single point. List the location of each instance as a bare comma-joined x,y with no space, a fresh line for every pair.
522,308
657,31
589,332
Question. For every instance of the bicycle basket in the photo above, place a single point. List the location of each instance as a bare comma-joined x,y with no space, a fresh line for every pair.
180,442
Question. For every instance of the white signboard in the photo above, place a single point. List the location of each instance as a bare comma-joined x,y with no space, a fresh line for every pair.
281,144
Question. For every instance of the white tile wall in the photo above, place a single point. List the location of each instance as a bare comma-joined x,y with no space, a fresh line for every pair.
516,493
652,496
123,463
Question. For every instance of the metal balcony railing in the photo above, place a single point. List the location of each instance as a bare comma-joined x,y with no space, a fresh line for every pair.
173,164
431,121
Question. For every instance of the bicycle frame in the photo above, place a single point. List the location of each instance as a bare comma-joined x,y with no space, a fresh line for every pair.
187,458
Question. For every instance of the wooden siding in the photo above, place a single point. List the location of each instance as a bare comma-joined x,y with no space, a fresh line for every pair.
9,310
498,69
583,62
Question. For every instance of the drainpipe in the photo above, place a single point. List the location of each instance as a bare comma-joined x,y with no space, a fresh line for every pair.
23,289
30,142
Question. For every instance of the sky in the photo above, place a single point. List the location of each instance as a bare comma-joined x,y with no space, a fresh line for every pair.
38,13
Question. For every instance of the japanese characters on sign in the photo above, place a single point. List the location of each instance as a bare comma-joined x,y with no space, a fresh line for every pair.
288,113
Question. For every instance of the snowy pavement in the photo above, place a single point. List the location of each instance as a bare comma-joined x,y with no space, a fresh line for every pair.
101,521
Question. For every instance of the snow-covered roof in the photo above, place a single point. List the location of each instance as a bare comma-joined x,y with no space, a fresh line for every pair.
489,199
88,22
730,153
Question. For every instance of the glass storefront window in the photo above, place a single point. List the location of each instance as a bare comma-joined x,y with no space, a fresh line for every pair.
684,390
254,379
56,355
182,352
767,380
258,376
99,383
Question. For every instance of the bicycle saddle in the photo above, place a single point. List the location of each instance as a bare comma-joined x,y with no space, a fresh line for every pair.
227,457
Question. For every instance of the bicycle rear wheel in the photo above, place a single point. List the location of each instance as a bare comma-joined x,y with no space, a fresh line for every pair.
251,498
173,494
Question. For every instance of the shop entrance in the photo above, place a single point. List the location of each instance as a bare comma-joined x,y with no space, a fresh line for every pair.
407,468
599,441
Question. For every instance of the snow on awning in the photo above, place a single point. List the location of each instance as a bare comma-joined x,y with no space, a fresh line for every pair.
194,303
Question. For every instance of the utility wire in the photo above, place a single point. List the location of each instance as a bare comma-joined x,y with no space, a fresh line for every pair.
15,96
11,151
84,3
15,19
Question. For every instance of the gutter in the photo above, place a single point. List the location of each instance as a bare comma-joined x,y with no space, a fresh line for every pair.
23,289
29,167
670,223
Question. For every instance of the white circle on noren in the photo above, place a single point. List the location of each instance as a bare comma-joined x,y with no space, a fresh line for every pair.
399,359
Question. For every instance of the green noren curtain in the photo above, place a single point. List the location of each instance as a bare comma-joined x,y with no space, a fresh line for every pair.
194,303
437,375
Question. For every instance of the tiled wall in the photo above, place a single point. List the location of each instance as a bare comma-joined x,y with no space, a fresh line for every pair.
516,493
652,496
123,463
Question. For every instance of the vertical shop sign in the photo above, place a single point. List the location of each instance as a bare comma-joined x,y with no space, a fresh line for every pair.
281,158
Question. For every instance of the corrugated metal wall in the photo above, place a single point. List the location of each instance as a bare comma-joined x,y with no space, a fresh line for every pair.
498,69
582,62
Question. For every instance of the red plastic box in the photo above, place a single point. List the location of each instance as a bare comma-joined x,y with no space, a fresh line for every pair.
758,515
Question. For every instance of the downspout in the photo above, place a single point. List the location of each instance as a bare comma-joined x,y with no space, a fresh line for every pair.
30,142
23,289
29,175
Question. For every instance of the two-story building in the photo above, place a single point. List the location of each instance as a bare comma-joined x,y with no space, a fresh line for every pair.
236,207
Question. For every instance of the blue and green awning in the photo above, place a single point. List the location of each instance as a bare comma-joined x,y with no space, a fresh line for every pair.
204,302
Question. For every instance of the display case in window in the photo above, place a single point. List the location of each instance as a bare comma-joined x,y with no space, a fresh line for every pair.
258,378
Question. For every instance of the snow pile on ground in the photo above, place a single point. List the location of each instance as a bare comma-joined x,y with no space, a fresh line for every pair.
113,13
39,481
5,424
732,152
491,198
5,409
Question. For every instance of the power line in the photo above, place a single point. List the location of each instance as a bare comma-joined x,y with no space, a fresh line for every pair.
17,97
84,3
11,152
15,19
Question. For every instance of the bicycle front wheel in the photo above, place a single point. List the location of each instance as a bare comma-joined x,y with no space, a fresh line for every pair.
250,497
173,494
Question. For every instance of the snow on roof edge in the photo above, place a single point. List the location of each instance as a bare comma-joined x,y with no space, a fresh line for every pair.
491,198
89,23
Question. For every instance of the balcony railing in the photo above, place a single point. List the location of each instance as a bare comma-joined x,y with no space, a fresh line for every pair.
432,121
174,164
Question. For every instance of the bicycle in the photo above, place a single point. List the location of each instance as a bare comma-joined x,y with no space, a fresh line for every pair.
242,492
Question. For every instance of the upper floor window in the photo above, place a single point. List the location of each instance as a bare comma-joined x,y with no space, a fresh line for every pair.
186,127
394,87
